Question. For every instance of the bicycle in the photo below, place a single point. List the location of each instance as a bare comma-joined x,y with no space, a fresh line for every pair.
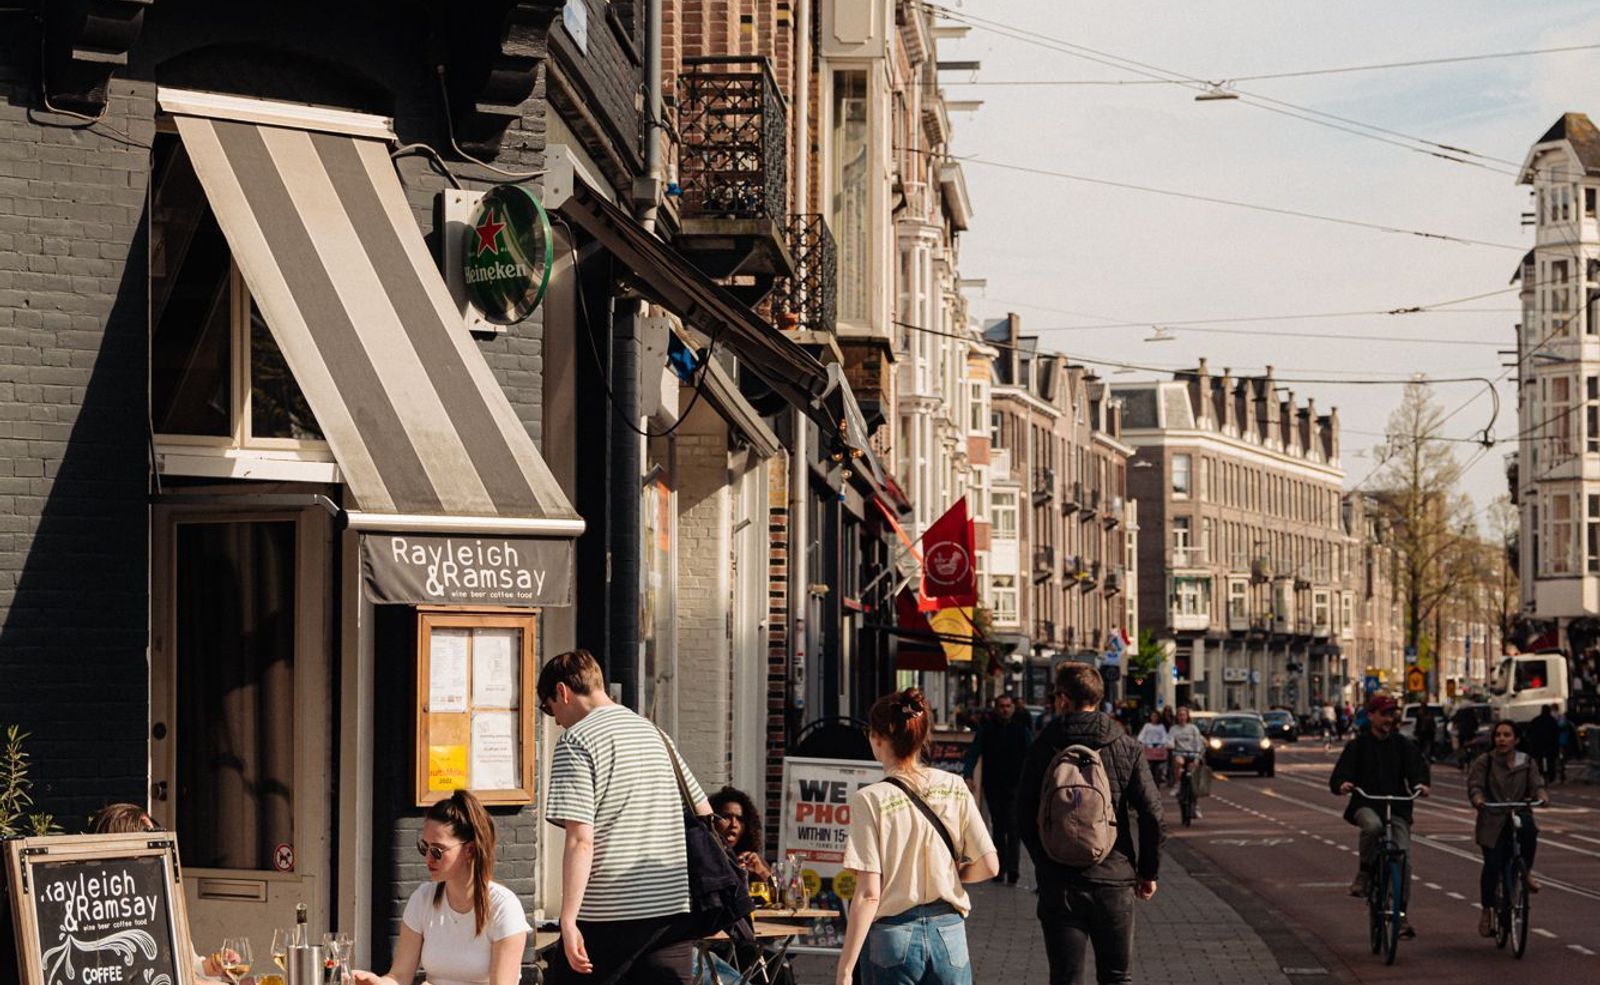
1188,800
1511,891
1386,893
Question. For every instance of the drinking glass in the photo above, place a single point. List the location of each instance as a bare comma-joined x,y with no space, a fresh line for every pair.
236,958
280,949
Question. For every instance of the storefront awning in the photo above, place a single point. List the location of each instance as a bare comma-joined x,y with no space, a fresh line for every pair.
325,238
671,280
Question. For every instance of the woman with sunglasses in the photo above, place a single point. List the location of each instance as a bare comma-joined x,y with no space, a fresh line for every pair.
460,926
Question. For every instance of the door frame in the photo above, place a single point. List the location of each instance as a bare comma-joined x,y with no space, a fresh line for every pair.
315,757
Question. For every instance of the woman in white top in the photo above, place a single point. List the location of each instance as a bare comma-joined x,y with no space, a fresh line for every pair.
910,907
1187,745
460,926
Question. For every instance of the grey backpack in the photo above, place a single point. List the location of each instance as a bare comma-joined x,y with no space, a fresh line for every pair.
1077,820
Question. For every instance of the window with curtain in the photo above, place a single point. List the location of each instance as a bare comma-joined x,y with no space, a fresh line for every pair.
851,193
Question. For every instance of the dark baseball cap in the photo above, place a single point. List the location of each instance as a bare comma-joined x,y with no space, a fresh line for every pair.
1381,702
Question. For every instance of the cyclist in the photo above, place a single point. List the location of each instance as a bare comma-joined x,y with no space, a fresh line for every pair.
1503,774
1187,746
1384,763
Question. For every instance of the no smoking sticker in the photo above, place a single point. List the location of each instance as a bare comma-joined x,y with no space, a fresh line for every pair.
283,858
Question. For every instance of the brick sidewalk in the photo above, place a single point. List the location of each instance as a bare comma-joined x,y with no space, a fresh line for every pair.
1186,935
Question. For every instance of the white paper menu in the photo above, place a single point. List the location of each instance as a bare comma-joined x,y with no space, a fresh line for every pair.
494,751
447,671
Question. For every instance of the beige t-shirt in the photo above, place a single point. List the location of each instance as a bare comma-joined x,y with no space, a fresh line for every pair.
889,836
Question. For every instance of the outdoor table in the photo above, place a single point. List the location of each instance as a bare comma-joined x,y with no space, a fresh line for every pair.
769,925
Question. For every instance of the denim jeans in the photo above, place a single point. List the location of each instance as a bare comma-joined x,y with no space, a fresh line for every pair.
926,945
1077,919
1371,825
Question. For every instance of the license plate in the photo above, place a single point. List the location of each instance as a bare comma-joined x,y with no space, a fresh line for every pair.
1239,760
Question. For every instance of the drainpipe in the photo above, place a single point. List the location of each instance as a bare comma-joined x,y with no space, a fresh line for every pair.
802,107
799,458
653,127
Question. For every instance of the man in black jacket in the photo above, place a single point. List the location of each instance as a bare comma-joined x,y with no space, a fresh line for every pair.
1384,763
1092,907
1001,745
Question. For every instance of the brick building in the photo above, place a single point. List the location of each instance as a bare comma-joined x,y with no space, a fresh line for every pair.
1245,554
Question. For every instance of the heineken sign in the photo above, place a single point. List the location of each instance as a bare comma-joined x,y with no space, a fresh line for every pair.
508,254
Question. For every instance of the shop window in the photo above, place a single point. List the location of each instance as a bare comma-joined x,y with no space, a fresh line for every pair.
475,699
216,372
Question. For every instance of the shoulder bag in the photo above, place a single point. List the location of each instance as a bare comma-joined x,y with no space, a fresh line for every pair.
719,890
933,819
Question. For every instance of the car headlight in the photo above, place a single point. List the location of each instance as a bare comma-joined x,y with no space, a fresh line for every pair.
1266,743
1215,743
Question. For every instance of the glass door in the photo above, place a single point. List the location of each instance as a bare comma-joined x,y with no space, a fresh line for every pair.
240,699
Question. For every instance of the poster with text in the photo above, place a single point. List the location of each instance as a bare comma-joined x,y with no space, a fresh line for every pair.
815,826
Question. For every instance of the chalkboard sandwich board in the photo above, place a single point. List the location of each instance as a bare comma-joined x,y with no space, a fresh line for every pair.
99,910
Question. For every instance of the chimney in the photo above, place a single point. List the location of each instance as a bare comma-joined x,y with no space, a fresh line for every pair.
1230,415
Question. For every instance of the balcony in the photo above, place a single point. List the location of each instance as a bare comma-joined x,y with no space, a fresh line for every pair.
1044,486
1238,620
1113,512
1114,579
1189,622
1044,631
1090,577
733,158
1072,499
1044,563
808,299
1091,504
1188,557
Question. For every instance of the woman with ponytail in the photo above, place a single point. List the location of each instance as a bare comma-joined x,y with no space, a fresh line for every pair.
460,926
914,840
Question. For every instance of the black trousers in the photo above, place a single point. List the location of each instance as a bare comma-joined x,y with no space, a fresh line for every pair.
1003,821
1077,920
653,951
1494,859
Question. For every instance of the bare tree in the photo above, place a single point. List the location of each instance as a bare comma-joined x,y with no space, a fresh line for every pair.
1417,491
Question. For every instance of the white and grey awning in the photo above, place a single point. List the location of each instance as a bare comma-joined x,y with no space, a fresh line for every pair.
322,232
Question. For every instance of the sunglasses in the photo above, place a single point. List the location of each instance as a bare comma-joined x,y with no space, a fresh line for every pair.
435,852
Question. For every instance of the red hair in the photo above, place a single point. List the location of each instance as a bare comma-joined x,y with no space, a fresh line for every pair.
902,719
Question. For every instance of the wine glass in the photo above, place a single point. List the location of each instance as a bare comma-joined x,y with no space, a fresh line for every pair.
336,956
236,958
280,948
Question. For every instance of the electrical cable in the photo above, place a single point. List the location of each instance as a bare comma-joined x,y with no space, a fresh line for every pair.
1304,73
450,130
432,155
1212,200
1028,36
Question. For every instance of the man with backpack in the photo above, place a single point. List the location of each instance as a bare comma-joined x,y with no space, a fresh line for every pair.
1083,785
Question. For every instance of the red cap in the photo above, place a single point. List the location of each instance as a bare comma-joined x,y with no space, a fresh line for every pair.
1381,702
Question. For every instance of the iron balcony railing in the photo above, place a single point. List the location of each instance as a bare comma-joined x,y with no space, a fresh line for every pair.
733,150
809,299
1044,485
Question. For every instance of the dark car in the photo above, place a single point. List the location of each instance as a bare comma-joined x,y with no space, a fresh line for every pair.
1281,725
1239,742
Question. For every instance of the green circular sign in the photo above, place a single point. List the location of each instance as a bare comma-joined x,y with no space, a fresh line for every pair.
509,252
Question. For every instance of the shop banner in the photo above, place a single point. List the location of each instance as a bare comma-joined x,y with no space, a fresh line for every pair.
948,578
427,570
816,824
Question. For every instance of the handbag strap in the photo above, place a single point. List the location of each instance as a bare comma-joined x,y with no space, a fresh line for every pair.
677,771
927,812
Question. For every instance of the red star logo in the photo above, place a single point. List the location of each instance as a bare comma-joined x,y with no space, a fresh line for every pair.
489,235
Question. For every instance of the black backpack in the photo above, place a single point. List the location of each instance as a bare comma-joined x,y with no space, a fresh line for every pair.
719,889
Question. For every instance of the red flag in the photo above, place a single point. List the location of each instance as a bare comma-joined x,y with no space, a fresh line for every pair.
948,580
916,651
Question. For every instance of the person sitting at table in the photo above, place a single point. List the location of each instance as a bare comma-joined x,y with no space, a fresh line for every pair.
739,824
125,818
462,927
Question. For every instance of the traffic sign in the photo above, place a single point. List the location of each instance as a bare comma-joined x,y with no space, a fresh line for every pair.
1416,680
1372,683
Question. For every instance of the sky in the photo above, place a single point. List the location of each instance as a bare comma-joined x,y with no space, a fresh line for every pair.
1068,256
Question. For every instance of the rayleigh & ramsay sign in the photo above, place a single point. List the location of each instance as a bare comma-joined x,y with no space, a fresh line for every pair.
522,571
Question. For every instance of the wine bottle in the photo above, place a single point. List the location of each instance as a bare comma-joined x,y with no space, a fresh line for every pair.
301,933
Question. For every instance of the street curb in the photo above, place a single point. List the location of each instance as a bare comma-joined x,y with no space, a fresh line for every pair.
1293,947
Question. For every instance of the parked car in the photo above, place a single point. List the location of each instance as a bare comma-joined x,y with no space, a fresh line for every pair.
1239,742
1408,719
1280,725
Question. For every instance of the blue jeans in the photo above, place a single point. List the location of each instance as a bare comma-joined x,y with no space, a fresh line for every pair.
926,945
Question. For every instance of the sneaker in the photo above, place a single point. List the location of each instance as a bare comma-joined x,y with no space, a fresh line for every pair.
1361,884
1407,932
1532,883
1197,814
1486,923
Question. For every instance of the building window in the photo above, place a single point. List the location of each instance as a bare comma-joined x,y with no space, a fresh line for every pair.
1191,597
1588,202
1238,602
1320,610
1003,591
1592,535
1203,488
1347,609
1591,414
1558,290
1558,547
215,368
978,411
851,193
1180,475
1003,515
1560,407
1182,542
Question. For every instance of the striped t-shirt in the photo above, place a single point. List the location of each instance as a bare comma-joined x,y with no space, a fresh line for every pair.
610,770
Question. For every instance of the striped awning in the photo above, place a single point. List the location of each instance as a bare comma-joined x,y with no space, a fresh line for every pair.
322,232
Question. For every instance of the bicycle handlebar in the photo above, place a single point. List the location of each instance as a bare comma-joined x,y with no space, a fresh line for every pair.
1513,803
1413,796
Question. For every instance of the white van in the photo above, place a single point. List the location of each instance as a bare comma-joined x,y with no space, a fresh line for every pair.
1526,682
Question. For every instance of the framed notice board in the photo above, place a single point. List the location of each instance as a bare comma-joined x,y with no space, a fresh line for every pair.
475,685
99,910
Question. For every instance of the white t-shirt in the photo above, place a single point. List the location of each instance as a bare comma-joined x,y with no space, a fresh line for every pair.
1153,735
889,836
453,953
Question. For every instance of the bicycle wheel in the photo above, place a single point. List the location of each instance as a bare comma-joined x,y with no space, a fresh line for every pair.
1377,906
1186,801
1394,879
1519,909
1502,912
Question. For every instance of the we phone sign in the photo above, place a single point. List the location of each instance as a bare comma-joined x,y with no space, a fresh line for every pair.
816,808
